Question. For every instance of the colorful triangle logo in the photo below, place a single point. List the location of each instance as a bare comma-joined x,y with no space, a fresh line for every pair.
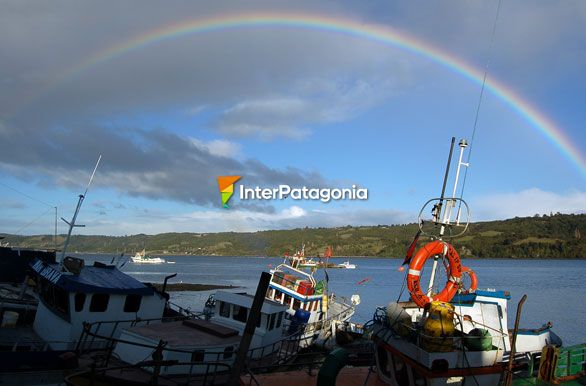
226,185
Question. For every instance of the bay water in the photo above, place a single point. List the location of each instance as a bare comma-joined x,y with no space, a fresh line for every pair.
556,289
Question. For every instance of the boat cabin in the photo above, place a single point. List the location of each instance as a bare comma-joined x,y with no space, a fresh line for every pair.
70,297
297,290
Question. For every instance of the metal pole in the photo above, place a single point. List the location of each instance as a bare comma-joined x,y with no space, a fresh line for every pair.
79,202
432,278
71,226
251,322
509,375
437,216
55,237
452,203
438,213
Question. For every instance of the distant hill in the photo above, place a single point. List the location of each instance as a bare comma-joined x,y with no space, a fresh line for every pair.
555,236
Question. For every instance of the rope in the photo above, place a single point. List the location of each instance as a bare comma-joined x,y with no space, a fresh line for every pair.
33,221
481,96
26,195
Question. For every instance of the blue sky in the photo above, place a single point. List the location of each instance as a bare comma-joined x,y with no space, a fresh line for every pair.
281,105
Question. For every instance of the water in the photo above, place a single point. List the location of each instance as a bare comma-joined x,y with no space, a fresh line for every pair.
556,289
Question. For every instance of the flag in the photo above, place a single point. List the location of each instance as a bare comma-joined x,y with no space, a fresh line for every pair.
411,248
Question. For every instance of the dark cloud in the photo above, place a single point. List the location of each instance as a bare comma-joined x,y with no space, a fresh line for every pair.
240,74
155,164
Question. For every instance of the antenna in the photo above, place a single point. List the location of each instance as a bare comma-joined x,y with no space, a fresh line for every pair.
72,222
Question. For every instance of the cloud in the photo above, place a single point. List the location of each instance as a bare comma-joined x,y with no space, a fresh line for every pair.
219,147
313,102
207,70
244,220
156,164
527,202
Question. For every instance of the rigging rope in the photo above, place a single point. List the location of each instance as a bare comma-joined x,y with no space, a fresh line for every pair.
498,8
26,195
32,222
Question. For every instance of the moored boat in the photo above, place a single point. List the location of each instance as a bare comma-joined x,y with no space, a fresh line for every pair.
458,335
142,258
347,265
310,305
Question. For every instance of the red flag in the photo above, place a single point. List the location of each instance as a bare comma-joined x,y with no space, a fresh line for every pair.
411,248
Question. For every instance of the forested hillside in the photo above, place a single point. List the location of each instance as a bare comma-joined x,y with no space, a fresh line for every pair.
555,236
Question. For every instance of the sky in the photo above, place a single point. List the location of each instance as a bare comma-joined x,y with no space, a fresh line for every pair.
324,94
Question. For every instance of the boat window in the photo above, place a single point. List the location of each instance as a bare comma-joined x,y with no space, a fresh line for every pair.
228,351
79,301
197,356
279,319
296,304
55,298
272,322
240,313
225,309
132,303
99,302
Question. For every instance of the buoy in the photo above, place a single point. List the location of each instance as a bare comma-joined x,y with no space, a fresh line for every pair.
454,272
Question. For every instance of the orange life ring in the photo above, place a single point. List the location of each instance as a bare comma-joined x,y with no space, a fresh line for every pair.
454,275
473,280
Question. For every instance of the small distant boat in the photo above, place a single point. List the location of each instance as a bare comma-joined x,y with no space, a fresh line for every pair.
347,265
143,258
308,264
298,260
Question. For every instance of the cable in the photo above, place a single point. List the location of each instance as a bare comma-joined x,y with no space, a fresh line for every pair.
26,195
33,221
481,96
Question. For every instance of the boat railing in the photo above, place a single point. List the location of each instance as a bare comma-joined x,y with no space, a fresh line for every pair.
182,311
106,353
416,335
90,338
104,344
309,362
279,352
286,267
33,345
214,373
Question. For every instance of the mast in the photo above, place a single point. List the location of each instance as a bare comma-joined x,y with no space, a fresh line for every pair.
72,222
55,236
449,206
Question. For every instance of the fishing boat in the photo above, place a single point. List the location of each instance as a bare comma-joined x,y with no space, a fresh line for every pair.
459,335
142,258
37,347
347,265
235,328
310,306
298,260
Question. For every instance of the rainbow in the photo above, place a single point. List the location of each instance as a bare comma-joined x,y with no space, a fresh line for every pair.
382,34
